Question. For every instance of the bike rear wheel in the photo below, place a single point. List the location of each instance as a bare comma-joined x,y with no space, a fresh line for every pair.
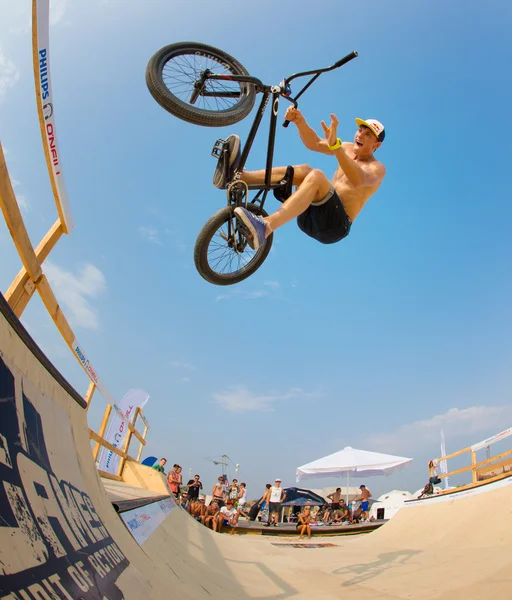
222,254
173,75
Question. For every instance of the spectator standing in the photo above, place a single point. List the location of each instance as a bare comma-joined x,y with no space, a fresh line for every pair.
242,497
264,502
364,497
234,492
276,497
159,466
219,492
194,486
175,480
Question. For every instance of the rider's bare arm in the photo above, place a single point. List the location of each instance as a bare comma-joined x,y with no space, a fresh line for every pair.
309,137
362,174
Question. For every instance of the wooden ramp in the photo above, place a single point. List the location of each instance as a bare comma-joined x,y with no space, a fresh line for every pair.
60,537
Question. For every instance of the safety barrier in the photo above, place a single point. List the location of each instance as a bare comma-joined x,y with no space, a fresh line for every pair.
484,471
31,277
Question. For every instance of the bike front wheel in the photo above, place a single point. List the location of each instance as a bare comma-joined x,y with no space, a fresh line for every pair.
222,254
174,79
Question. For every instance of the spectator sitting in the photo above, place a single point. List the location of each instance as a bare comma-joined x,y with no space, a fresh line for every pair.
341,514
184,500
210,513
304,524
199,509
159,466
228,515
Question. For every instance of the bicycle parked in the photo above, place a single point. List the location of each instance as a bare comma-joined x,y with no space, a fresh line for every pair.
206,86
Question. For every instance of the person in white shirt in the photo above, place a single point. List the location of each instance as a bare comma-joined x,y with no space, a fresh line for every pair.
276,497
228,515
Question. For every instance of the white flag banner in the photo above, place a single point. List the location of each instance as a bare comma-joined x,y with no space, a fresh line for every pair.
117,429
443,465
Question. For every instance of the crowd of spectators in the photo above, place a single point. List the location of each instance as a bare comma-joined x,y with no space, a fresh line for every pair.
227,500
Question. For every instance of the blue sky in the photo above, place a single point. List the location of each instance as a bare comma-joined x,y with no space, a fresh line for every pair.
378,342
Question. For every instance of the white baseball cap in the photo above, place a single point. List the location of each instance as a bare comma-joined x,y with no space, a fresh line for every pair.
376,127
277,479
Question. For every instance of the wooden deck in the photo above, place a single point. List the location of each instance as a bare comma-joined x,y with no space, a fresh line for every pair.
290,529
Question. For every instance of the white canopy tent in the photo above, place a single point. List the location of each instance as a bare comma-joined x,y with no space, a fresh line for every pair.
352,463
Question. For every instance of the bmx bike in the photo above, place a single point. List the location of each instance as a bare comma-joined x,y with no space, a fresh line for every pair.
206,86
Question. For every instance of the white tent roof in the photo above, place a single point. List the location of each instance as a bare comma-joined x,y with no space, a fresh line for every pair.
353,462
395,495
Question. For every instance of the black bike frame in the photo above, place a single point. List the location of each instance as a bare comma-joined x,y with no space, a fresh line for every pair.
273,93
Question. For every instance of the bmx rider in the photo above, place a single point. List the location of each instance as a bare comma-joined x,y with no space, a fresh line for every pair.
325,210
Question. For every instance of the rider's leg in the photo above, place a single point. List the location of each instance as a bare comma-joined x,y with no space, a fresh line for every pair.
314,188
258,177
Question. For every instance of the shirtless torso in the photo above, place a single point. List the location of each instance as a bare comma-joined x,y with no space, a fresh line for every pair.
353,198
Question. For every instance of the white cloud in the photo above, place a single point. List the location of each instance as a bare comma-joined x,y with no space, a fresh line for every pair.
9,74
22,203
57,11
185,379
240,399
251,295
73,292
151,234
22,200
455,423
274,285
185,366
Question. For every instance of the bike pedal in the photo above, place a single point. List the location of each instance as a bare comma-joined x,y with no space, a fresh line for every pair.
218,148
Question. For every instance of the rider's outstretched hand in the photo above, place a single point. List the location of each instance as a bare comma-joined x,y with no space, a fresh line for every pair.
331,131
293,114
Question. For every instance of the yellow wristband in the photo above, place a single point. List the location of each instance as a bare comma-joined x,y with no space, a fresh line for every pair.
336,145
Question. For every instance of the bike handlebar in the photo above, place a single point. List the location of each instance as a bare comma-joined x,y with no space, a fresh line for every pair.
345,60
336,65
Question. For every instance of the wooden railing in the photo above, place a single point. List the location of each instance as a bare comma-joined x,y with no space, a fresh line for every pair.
478,471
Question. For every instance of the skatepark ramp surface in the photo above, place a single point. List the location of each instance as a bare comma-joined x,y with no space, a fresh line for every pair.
60,537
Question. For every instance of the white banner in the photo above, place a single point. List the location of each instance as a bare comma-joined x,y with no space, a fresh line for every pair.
41,59
117,428
443,465
492,440
142,522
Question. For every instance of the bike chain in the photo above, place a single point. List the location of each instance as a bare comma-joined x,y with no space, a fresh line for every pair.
228,191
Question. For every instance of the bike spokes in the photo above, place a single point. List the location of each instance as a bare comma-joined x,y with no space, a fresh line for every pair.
184,76
228,251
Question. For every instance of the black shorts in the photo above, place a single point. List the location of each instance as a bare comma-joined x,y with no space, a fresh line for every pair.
326,221
335,506
273,507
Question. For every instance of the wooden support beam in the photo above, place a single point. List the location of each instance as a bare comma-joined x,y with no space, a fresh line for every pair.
94,436
101,432
142,445
15,224
23,287
106,475
52,306
454,454
89,394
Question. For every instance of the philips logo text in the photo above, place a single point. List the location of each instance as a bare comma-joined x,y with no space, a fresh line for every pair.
43,74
